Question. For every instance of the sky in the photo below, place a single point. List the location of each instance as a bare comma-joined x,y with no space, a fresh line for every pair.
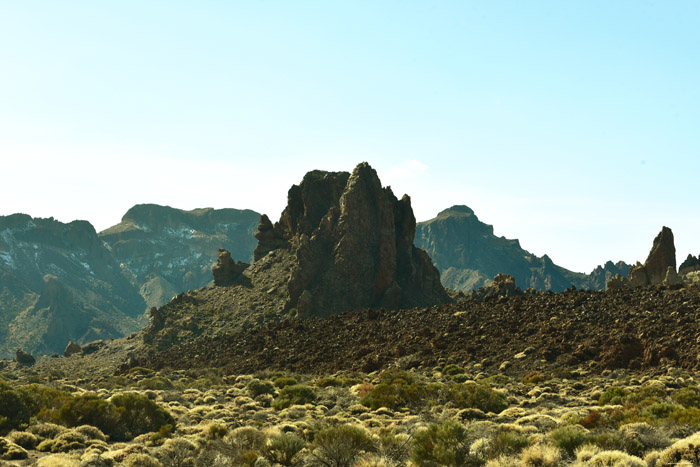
572,126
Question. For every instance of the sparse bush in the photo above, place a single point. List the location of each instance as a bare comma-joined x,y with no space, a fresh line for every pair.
540,455
285,381
452,369
615,459
138,415
23,438
295,394
447,443
688,397
157,383
15,408
617,441
46,430
178,452
11,451
586,452
284,449
479,396
139,459
686,449
340,446
568,438
614,395
396,389
507,443
534,378
257,387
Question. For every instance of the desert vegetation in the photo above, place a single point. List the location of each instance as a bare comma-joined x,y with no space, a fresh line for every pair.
451,415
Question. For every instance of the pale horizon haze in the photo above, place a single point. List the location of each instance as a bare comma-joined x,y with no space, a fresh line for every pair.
572,126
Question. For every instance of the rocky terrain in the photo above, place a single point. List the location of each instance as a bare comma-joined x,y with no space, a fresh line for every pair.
469,255
342,243
58,282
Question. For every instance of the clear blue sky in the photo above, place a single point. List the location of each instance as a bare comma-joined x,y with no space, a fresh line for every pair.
571,125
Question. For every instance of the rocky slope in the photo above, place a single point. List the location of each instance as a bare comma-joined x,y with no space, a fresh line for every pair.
168,250
628,328
342,243
58,283
469,255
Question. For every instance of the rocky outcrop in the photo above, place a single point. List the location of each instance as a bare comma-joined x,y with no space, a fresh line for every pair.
468,255
691,263
503,285
659,268
24,358
353,243
661,257
72,348
226,271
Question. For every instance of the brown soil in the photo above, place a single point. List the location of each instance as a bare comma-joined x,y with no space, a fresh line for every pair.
648,329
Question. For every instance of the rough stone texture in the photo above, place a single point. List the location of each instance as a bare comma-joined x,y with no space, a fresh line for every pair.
672,277
24,358
503,285
661,257
226,271
690,264
72,348
353,241
638,276
655,269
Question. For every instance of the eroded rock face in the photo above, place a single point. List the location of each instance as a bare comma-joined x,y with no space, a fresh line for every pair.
690,264
24,358
503,285
661,257
72,348
226,271
659,268
353,241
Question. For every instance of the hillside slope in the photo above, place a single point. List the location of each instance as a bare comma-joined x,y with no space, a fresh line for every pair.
58,283
469,255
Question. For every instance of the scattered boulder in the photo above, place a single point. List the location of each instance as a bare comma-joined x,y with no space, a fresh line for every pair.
672,277
24,358
690,264
72,348
503,285
226,271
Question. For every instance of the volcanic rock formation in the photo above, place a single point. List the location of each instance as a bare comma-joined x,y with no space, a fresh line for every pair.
226,271
691,263
659,267
353,243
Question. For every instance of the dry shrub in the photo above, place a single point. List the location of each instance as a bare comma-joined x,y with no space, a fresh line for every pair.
23,438
615,459
540,455
58,460
586,452
686,449
141,460
46,430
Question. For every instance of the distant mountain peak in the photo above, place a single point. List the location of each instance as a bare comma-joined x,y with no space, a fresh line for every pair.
456,209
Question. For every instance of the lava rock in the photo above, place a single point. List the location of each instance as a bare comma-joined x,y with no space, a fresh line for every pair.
24,358
661,257
72,348
226,271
